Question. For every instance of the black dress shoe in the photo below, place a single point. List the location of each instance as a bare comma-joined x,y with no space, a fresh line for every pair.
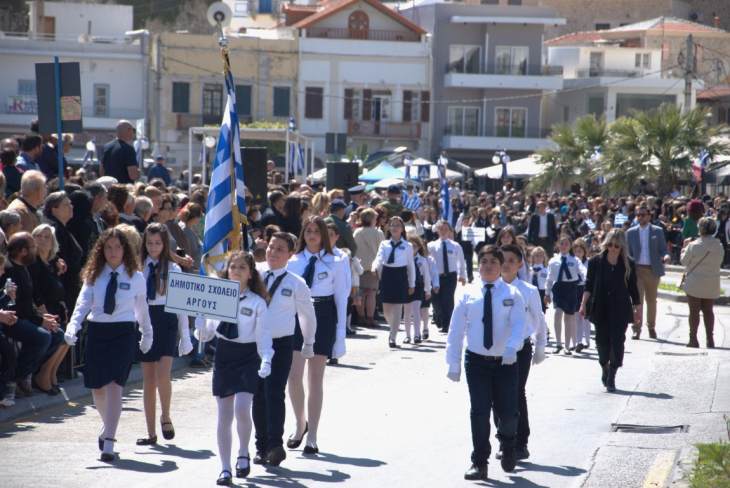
425,335
275,456
579,347
508,461
260,458
407,340
475,473
225,478
521,453
147,441
101,444
293,443
107,457
636,335
243,472
392,345
311,450
652,333
333,362
167,433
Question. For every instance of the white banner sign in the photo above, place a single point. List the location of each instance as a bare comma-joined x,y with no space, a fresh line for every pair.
202,296
473,234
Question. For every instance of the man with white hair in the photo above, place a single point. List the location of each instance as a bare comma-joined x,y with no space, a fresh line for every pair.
32,195
119,158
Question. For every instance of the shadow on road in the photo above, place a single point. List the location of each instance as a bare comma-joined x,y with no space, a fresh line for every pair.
173,450
556,470
335,459
349,366
165,466
286,477
646,394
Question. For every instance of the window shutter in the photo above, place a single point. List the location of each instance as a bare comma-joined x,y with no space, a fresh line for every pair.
313,102
367,99
243,99
348,103
180,97
425,106
407,97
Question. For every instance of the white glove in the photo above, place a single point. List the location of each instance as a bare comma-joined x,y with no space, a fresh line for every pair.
454,373
308,351
184,347
265,369
203,335
539,355
509,357
339,349
70,338
146,343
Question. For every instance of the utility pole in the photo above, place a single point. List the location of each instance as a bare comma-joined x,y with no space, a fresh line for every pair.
689,61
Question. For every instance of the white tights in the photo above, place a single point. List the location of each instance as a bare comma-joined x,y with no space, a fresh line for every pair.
424,318
570,327
240,406
393,312
108,401
412,316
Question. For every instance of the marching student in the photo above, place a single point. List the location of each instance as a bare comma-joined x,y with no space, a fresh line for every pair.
565,272
449,259
535,333
243,354
289,300
426,304
354,270
166,328
412,312
396,270
583,325
113,296
326,276
491,314
538,272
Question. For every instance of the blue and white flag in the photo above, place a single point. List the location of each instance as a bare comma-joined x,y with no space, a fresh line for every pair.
296,156
411,202
226,204
445,201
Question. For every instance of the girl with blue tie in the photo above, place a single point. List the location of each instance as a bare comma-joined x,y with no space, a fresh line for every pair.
583,325
243,353
397,272
565,273
327,277
538,272
166,327
114,297
422,291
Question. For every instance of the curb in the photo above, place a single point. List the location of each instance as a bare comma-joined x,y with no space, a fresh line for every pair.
683,468
71,390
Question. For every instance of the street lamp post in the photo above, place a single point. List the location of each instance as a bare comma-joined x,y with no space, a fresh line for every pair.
501,157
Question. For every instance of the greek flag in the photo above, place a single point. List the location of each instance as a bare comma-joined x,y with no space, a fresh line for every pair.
226,204
296,156
445,201
411,202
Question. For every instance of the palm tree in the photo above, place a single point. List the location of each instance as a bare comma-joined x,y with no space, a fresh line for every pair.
571,161
658,145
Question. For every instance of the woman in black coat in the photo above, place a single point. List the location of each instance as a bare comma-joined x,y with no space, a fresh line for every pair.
58,211
611,282
82,225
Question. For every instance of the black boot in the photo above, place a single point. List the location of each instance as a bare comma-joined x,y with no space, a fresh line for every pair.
604,374
611,382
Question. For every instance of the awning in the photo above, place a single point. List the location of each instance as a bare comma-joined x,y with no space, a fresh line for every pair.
519,168
380,172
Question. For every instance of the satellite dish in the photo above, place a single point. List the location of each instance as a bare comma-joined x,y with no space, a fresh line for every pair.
219,13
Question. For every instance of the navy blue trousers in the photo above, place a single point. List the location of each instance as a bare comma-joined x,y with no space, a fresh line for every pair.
269,408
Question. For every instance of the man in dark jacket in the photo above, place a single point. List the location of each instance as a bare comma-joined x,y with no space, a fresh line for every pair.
542,230
274,215
337,216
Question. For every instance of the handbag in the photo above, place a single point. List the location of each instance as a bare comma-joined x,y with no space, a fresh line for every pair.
591,303
682,281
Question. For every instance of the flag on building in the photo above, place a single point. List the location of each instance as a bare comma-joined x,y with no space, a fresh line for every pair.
226,198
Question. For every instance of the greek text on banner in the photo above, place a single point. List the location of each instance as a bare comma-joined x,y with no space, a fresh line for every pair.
202,296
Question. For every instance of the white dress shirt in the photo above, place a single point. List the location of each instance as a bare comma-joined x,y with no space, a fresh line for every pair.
535,325
330,278
644,239
251,326
130,301
542,273
454,254
543,232
508,322
182,320
346,257
291,298
575,268
424,268
403,257
433,269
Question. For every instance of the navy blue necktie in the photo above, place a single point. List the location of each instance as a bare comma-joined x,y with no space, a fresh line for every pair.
394,246
229,330
151,292
535,271
109,297
564,269
487,317
309,271
446,257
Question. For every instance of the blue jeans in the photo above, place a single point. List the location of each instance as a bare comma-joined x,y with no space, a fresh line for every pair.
36,341
491,386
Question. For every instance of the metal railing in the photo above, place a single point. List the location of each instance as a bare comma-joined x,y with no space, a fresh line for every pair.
508,70
369,34
80,38
376,128
616,73
492,131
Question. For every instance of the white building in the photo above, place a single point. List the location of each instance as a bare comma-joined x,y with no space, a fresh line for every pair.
113,66
611,80
364,70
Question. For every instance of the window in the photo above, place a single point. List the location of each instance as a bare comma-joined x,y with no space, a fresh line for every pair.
265,6
595,64
26,87
464,59
490,2
240,8
514,2
313,101
596,105
642,60
212,103
101,100
281,101
180,97
243,100
626,103
412,106
603,26
463,121
511,60
511,122
566,114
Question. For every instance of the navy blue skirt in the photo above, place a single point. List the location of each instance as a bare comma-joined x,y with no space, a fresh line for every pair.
565,296
394,285
324,339
164,334
235,368
110,350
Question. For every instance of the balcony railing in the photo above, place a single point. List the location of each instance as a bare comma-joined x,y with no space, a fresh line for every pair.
370,34
28,105
616,73
375,128
507,70
517,133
